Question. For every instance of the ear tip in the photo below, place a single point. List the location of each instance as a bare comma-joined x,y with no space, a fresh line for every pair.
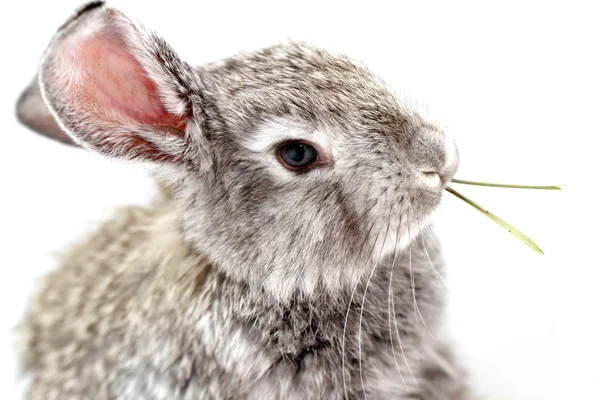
21,107
87,7
78,17
82,10
31,112
90,5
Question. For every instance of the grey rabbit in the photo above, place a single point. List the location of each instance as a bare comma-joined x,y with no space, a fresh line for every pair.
285,256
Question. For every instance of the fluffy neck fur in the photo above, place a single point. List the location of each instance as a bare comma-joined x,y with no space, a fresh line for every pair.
149,315
348,328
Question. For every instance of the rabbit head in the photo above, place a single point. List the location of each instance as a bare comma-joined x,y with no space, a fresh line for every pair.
294,169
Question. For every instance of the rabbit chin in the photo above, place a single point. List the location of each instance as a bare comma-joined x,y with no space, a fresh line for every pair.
398,241
397,246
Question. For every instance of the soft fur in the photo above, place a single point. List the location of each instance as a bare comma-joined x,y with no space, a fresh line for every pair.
243,280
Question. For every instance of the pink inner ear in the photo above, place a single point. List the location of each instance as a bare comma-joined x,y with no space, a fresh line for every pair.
115,86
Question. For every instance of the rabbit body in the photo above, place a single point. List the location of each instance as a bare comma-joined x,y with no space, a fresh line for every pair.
286,256
135,313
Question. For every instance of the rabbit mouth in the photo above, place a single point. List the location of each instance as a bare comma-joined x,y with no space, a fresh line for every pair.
400,218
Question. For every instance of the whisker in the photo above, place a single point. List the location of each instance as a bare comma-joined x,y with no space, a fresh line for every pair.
344,340
348,313
412,285
433,239
439,278
365,240
396,324
390,300
368,209
362,306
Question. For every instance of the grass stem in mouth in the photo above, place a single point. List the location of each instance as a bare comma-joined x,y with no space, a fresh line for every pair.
518,234
505,185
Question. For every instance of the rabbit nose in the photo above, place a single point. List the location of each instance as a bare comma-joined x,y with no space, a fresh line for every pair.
434,178
442,169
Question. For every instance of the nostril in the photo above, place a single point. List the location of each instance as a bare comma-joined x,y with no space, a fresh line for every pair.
433,176
443,177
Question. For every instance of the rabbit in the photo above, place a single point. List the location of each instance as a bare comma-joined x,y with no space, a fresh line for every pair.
285,255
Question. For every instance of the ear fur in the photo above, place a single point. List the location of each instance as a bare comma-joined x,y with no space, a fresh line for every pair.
115,88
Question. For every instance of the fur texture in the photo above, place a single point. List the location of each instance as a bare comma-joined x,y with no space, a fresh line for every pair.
244,279
135,313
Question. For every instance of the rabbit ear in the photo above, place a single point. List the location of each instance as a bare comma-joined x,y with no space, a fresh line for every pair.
34,114
116,88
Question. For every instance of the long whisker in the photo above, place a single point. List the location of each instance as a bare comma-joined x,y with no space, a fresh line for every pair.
398,330
348,312
362,306
368,209
344,340
390,301
433,239
439,278
412,285
365,239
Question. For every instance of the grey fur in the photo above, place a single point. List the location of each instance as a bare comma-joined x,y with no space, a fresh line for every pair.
243,280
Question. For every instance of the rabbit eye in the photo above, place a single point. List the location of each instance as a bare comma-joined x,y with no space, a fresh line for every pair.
296,155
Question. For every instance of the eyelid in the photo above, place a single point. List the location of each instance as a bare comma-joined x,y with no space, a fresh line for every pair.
324,159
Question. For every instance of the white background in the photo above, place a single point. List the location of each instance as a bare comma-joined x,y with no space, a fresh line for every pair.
518,85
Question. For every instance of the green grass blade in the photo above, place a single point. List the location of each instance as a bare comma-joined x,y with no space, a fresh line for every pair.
505,185
518,234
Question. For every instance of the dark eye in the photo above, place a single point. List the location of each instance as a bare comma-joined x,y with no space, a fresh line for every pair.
297,155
